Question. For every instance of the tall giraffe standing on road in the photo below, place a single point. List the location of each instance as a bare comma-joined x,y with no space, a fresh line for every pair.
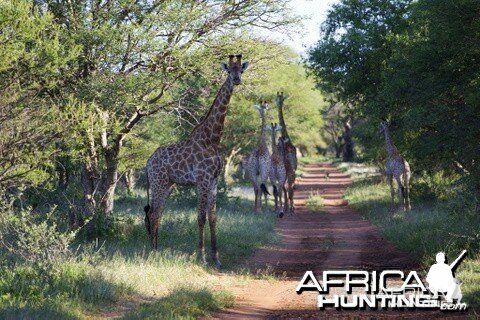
258,164
288,150
194,161
278,174
396,167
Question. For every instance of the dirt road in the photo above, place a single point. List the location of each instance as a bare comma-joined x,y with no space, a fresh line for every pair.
337,238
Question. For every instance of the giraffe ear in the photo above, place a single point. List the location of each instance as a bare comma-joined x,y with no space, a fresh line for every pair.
257,107
245,65
279,128
224,66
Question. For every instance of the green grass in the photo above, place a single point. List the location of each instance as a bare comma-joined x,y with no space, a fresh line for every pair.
429,228
119,269
183,303
314,202
358,171
65,292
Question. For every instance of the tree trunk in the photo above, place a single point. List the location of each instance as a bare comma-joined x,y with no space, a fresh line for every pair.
229,161
338,149
88,180
130,180
348,152
109,182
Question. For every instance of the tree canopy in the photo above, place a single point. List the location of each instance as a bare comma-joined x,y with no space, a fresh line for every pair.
91,88
414,64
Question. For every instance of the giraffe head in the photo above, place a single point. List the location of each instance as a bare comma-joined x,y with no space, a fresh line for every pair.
262,109
383,127
274,128
235,68
280,98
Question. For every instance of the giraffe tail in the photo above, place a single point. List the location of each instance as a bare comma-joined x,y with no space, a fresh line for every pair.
264,189
147,207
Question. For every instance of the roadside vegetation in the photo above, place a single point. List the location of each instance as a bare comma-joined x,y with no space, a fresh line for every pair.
117,272
314,202
444,221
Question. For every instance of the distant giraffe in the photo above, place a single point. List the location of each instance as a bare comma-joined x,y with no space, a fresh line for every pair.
258,164
289,152
278,174
194,161
396,167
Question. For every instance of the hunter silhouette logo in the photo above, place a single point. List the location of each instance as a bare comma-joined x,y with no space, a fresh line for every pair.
440,278
376,289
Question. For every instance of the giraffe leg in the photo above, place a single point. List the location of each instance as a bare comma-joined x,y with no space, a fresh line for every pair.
401,195
285,201
279,209
265,200
203,190
275,195
273,181
407,191
257,191
154,213
392,192
290,198
212,220
264,173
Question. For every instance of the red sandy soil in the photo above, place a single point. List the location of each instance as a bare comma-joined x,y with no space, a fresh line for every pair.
336,238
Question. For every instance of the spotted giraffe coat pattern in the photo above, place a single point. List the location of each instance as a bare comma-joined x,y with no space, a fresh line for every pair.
195,161
288,151
278,174
258,165
396,167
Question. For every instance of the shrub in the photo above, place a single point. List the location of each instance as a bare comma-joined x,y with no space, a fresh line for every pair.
314,202
32,238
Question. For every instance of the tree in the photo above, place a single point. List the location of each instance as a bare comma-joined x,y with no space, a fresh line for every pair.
337,121
137,58
431,85
414,64
347,61
30,59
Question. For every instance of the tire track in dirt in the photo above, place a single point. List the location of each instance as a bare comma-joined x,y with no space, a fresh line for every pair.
337,238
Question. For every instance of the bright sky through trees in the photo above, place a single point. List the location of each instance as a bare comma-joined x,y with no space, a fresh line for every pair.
315,12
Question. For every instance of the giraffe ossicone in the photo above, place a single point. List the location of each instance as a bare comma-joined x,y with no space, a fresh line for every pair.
194,161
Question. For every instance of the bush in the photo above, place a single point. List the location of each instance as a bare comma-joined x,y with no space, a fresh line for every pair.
32,238
314,202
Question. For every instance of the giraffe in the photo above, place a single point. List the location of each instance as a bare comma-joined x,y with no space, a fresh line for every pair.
194,161
288,151
258,164
278,174
396,167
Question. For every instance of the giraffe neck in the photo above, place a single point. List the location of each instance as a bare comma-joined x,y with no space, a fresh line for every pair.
282,123
274,137
211,128
261,140
391,149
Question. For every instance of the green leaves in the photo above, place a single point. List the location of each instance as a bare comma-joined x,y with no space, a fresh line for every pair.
413,63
